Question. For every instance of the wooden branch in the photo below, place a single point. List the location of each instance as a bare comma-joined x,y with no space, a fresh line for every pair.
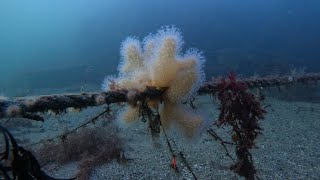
27,107
263,82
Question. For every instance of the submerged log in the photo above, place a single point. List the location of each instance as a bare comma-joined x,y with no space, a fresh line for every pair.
264,82
27,107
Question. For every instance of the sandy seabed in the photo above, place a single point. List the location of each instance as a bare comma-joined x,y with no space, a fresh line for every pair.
287,149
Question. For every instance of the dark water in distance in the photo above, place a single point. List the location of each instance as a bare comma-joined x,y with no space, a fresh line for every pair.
67,43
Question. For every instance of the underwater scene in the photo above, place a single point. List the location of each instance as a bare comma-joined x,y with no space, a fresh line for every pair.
162,89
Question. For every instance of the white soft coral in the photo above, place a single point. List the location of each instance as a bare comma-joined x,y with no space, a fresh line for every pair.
160,64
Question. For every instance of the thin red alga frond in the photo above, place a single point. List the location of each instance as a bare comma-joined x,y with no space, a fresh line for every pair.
242,111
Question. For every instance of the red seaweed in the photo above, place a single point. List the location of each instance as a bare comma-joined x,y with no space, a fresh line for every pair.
242,111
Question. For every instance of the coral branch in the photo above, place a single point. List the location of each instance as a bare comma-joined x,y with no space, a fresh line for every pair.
27,107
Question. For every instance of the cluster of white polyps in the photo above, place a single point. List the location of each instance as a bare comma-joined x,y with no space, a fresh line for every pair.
158,62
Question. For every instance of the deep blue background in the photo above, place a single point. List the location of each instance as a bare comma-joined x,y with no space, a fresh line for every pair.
52,44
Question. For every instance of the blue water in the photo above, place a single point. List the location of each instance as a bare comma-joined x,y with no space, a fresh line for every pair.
55,44
63,46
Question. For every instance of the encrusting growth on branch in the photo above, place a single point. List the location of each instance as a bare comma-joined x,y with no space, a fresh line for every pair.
211,87
29,106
